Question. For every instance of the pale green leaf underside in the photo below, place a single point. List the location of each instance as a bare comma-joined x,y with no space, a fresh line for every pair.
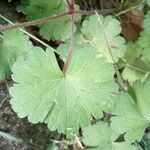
132,118
99,137
103,32
13,45
67,102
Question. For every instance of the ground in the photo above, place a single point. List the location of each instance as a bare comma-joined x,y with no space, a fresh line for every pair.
35,137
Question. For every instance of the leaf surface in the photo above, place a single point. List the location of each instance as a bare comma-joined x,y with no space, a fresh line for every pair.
100,137
144,40
135,67
137,56
132,116
64,102
56,29
13,45
103,34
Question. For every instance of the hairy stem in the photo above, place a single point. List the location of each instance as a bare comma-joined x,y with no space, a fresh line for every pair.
31,36
46,19
71,49
32,23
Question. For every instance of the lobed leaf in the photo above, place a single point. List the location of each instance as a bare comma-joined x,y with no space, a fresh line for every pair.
58,29
103,35
100,137
65,102
14,44
135,67
132,116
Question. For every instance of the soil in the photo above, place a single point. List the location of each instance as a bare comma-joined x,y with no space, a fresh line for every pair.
35,137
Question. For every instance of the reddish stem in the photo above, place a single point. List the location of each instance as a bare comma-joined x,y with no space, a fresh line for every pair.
46,19
71,49
32,23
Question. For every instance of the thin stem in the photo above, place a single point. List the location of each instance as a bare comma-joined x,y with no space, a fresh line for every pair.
3,101
10,137
115,66
46,19
77,140
32,23
71,49
30,35
132,67
131,7
136,69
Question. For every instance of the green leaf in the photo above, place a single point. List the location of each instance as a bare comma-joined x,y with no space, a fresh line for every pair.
144,41
133,73
78,44
147,23
13,45
56,29
142,95
105,36
23,6
64,102
148,2
132,117
137,56
100,137
134,66
37,9
133,52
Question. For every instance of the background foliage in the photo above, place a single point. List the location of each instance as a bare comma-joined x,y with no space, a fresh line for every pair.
102,99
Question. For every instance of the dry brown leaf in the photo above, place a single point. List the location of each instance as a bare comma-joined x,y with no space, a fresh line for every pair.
132,24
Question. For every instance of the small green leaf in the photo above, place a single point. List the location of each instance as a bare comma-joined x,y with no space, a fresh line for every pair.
100,137
133,73
132,117
103,34
133,52
13,45
134,67
56,29
64,102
